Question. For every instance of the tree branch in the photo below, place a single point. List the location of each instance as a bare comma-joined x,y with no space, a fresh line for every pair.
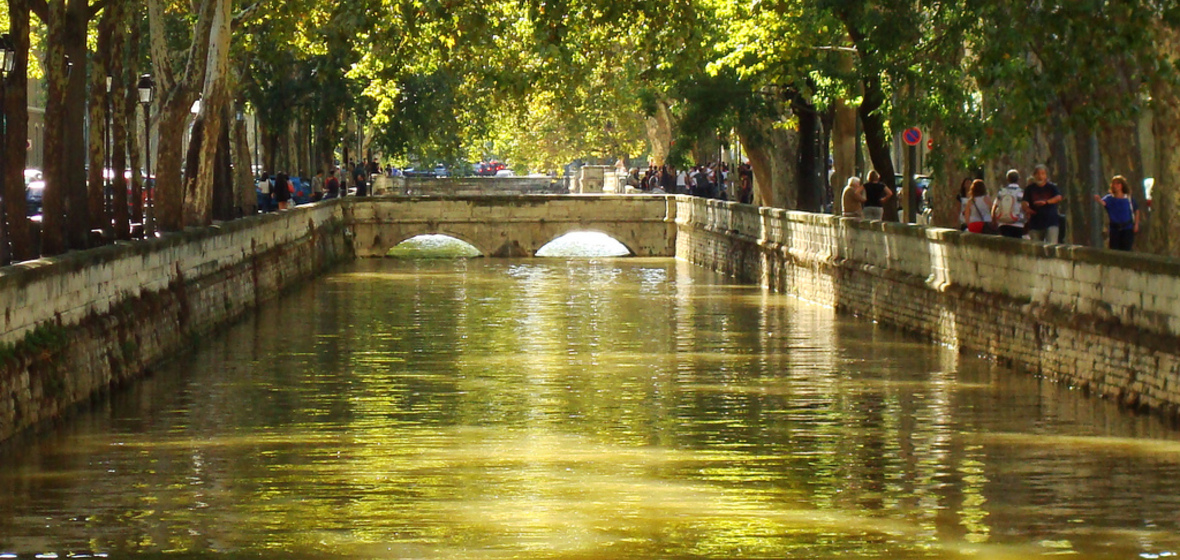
97,7
41,8
245,13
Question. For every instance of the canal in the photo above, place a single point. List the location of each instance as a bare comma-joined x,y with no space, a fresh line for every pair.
584,409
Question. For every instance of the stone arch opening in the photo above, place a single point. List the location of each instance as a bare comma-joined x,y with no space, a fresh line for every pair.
434,246
584,244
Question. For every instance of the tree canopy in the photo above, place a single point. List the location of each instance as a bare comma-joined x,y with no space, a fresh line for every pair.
541,83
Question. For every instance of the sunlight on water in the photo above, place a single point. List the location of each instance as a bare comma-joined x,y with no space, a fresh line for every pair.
584,409
433,247
584,244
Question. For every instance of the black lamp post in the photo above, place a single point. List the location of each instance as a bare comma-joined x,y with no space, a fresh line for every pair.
147,90
7,64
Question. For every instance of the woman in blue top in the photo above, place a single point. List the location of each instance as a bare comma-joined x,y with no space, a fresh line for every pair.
1123,213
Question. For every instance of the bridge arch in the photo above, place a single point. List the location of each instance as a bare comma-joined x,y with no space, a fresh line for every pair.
430,245
408,236
605,238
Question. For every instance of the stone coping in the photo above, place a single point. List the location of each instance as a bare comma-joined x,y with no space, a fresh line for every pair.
24,273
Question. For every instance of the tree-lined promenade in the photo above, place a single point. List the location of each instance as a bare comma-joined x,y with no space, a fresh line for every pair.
1091,89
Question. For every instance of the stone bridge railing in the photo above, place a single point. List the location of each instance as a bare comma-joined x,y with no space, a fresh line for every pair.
469,186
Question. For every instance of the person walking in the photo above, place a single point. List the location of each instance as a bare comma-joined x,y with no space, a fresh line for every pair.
1007,211
964,198
853,198
876,193
1040,205
282,191
978,214
317,186
1123,213
263,191
332,185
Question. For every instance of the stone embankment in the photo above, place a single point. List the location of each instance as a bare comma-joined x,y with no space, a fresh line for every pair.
77,325
1103,321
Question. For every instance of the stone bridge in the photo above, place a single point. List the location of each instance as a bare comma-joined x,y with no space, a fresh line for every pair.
514,226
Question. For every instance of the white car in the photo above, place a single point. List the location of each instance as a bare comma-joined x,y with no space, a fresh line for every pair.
505,173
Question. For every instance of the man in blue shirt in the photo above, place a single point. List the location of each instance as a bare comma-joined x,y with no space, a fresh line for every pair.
1040,205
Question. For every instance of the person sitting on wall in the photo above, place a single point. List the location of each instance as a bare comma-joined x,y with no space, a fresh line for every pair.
853,198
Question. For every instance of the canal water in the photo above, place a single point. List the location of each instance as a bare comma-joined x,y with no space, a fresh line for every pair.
584,409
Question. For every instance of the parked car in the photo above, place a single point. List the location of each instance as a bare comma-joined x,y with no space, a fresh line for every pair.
34,191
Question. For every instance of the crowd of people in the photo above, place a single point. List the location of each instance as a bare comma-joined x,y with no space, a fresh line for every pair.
1028,212
281,191
713,180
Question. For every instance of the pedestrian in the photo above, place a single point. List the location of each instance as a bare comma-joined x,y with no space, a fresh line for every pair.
1123,212
978,214
853,198
876,193
1007,211
964,197
282,191
358,180
263,190
332,185
317,186
746,176
667,179
1040,205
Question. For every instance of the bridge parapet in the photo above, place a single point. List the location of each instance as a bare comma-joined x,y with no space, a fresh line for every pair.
473,186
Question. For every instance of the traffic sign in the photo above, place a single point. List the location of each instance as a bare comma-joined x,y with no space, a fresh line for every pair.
930,144
912,136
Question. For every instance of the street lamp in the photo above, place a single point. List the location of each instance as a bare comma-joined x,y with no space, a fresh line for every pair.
9,54
7,64
147,90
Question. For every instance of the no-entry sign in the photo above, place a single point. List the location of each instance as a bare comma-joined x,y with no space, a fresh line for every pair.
912,136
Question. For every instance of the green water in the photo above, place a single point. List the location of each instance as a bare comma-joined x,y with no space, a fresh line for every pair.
593,409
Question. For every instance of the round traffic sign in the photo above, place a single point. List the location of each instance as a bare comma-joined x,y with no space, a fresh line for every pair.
912,136
930,144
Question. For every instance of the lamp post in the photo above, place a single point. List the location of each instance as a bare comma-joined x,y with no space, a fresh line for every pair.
147,89
7,64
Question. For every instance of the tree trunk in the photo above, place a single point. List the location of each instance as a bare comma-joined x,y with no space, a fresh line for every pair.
98,108
177,95
223,176
78,222
15,136
773,153
877,139
215,98
53,216
247,202
944,186
169,160
810,169
659,133
1165,231
119,11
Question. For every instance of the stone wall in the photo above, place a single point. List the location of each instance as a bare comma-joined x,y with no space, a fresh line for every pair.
1103,321
469,186
77,325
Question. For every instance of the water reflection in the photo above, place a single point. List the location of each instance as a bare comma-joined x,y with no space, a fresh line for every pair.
584,409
